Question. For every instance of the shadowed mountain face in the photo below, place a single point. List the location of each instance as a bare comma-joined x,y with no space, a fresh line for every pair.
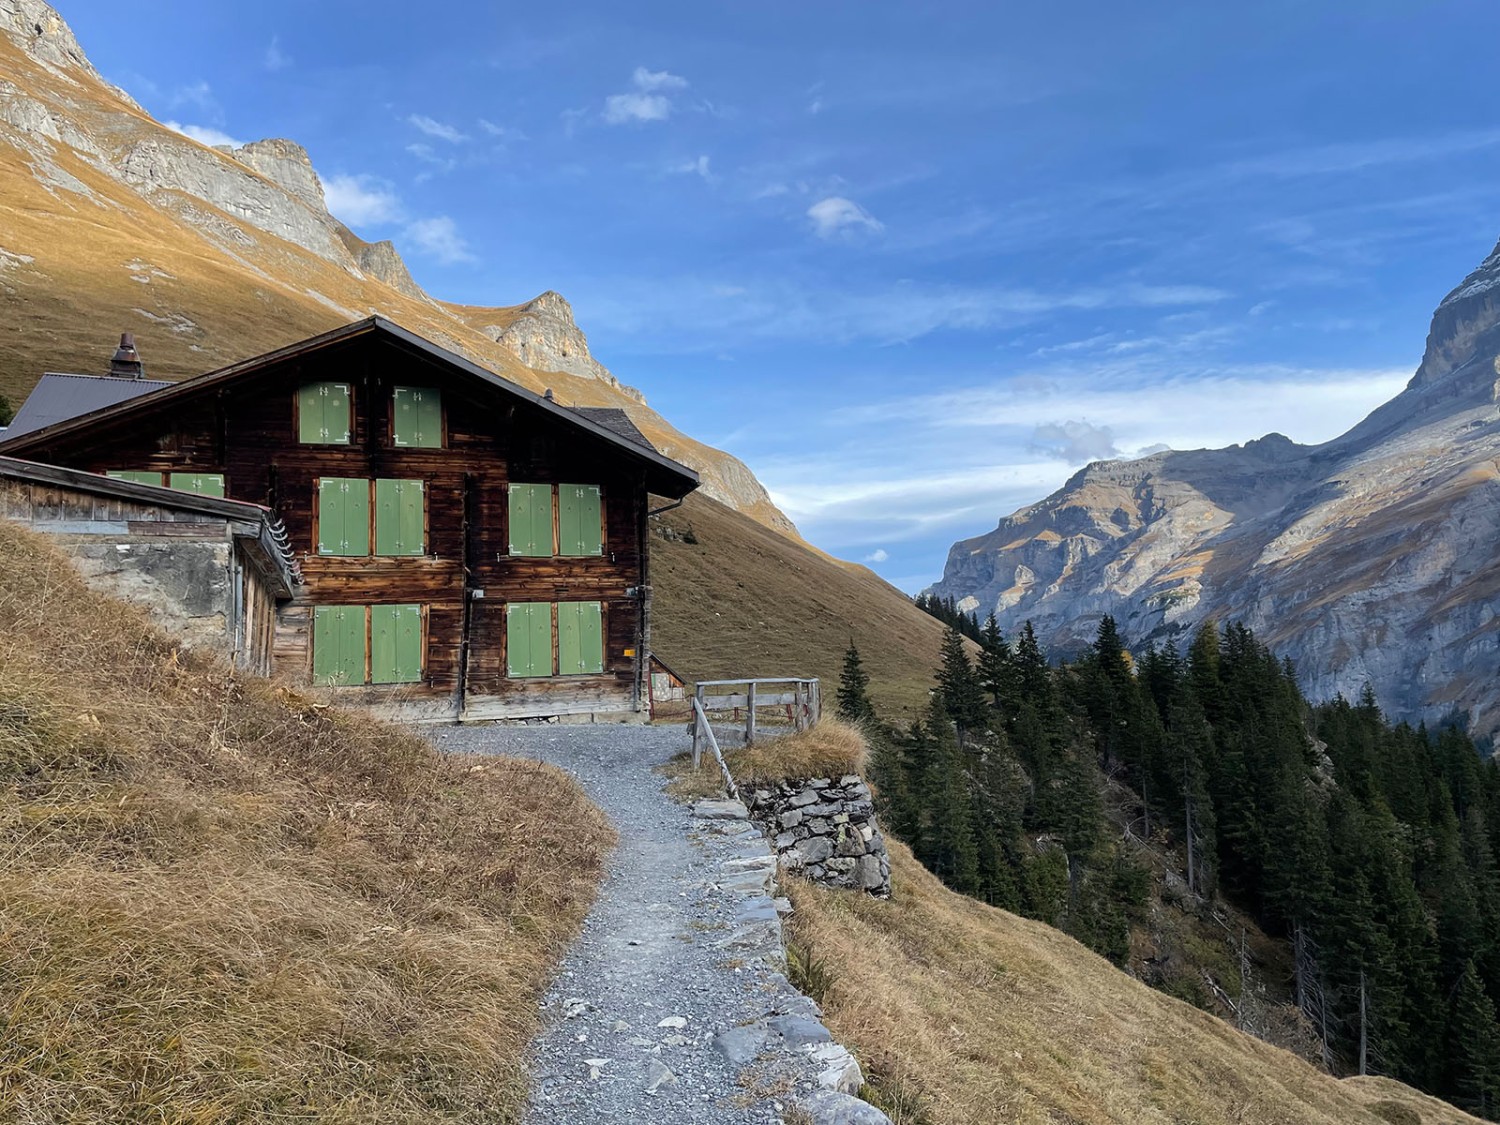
1372,557
112,222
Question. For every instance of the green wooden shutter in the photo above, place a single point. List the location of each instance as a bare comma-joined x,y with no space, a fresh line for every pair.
419,418
343,516
528,639
395,644
339,644
138,476
399,522
531,519
579,531
580,639
323,413
204,484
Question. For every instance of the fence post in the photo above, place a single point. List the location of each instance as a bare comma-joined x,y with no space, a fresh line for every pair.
750,714
817,702
697,712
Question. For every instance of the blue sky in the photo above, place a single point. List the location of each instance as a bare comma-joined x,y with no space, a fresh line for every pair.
915,264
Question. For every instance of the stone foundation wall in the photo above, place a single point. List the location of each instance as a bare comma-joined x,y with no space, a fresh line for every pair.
825,828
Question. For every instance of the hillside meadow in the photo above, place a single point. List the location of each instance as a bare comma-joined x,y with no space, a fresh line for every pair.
222,900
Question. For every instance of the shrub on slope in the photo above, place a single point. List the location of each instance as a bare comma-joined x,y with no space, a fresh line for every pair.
222,901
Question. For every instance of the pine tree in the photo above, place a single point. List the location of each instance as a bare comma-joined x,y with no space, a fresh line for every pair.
853,694
1473,1047
958,685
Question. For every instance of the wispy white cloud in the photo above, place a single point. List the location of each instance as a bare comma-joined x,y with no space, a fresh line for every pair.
501,132
204,134
1074,441
1356,156
695,167
275,58
879,555
436,163
439,129
199,94
361,200
837,216
438,238
650,99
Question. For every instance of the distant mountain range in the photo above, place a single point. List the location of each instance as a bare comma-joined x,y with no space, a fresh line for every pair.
1374,557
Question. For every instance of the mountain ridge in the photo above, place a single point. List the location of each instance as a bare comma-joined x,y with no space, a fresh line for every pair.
1363,559
231,251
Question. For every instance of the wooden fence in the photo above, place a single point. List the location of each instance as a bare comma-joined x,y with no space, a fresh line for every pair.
799,698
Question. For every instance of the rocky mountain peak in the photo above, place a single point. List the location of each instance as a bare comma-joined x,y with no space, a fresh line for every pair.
39,31
287,165
543,335
1465,325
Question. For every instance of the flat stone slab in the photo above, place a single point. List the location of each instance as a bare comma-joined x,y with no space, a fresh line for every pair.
721,810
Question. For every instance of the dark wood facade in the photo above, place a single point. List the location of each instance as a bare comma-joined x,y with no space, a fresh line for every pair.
242,423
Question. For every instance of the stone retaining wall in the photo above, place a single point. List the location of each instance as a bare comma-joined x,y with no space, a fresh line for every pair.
825,828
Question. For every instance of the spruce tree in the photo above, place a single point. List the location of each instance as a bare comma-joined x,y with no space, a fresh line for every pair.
996,668
958,685
853,694
1473,1047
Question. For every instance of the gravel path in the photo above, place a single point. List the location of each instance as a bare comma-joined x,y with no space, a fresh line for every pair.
670,957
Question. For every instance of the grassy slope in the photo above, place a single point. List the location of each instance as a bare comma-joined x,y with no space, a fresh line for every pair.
223,901
745,601
962,1013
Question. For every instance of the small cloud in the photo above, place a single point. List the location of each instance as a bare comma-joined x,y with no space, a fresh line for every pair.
501,132
698,167
438,238
199,94
438,129
1261,307
204,134
1074,442
427,155
651,99
361,200
657,80
275,58
836,215
879,555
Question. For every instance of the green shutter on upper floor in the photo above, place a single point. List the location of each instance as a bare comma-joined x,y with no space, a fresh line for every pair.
418,420
204,484
528,639
323,414
339,633
395,644
138,476
580,638
579,530
530,517
399,517
343,516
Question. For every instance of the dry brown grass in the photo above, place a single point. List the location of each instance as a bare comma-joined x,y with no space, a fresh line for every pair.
962,1013
745,601
222,901
832,748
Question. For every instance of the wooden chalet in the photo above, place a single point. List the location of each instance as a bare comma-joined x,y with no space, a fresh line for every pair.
469,549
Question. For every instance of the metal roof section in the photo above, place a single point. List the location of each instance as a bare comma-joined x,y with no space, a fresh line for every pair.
258,527
615,420
59,397
665,476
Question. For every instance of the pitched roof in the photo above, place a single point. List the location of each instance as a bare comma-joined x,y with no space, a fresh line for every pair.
58,397
665,477
269,541
615,420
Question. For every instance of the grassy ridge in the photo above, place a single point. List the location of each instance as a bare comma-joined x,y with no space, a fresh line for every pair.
745,601
962,1013
221,900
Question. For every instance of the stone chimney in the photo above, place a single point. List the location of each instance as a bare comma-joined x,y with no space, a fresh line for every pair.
126,362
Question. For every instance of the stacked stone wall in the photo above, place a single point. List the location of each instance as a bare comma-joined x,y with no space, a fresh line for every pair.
825,828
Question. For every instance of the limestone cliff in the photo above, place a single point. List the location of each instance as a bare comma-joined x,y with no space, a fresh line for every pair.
211,255
1368,558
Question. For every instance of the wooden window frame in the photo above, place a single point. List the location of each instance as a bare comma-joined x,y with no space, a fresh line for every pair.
348,441
423,642
442,439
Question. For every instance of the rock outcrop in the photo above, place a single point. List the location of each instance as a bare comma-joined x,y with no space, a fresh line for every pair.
543,335
1369,558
